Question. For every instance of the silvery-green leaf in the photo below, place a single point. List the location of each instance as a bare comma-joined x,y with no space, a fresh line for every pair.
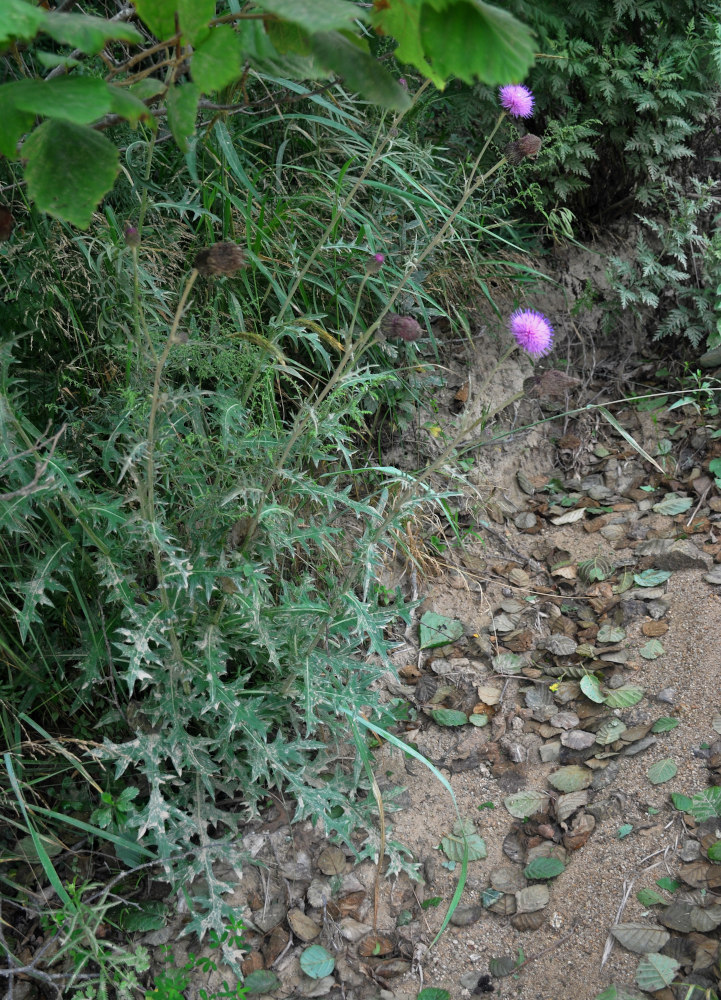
641,938
673,504
571,517
532,898
571,779
591,687
544,868
652,650
507,663
706,804
654,972
609,731
651,577
527,803
611,633
437,630
503,966
449,717
567,805
614,992
624,697
662,770
664,725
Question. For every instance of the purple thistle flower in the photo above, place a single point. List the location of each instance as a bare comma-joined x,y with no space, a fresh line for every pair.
517,100
532,331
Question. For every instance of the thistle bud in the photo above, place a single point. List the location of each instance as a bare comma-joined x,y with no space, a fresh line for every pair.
132,236
527,145
400,327
220,258
375,263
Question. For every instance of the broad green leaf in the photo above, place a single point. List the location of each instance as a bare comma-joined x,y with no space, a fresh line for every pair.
475,41
194,17
127,105
158,16
664,725
614,992
69,169
479,719
611,633
449,717
591,687
315,15
651,577
706,804
261,981
624,697
673,504
14,122
649,897
669,884
714,851
654,972
652,650
502,966
681,802
147,88
437,630
316,962
433,993
78,99
454,846
661,771
544,868
360,71
87,33
571,778
521,805
641,938
624,830
182,111
216,61
20,21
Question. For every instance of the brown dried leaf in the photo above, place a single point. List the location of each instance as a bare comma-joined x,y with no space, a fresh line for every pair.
375,944
331,861
528,921
654,628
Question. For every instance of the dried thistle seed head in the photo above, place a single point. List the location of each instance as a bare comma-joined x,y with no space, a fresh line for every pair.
400,327
221,258
527,145
550,384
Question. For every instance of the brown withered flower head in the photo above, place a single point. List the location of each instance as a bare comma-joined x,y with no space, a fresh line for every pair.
527,145
550,384
220,258
400,327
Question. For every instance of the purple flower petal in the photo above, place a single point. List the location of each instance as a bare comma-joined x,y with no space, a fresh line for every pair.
517,100
532,331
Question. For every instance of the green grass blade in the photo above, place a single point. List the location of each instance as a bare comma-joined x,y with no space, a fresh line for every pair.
628,437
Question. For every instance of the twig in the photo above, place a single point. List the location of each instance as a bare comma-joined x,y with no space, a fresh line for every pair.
556,944
627,886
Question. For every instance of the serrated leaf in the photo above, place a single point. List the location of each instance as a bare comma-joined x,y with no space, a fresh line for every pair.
661,771
652,650
88,33
20,21
69,169
571,778
670,884
316,962
707,804
672,505
182,105
521,805
611,633
623,831
77,99
624,697
570,517
641,938
651,577
478,719
614,992
654,972
502,966
216,61
714,851
591,687
544,868
433,993
664,725
507,664
449,717
359,69
454,847
649,897
315,15
438,630
610,731
261,981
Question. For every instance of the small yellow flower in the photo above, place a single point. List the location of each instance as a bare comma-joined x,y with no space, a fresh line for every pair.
554,687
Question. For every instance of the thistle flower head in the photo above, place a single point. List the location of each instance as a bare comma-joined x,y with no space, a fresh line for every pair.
375,263
400,327
517,100
220,258
132,236
527,145
532,331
